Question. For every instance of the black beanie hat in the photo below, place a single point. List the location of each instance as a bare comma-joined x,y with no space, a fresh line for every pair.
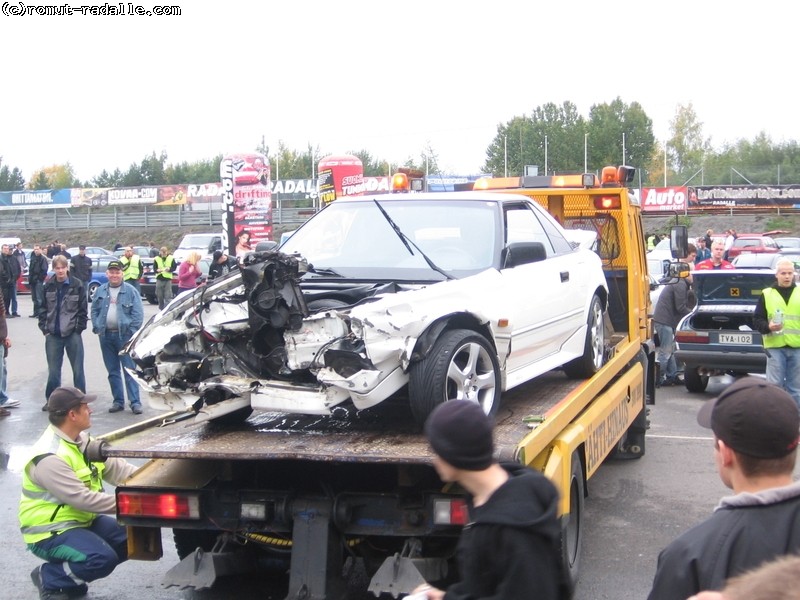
461,434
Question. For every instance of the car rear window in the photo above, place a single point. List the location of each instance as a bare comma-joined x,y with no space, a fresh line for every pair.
736,287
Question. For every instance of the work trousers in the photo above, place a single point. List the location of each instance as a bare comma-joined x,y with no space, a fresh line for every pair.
81,554
163,292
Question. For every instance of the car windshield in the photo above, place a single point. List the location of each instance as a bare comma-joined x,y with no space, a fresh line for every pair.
355,239
196,241
731,287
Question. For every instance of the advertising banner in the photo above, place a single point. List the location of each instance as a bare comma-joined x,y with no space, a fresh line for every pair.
26,199
247,201
664,199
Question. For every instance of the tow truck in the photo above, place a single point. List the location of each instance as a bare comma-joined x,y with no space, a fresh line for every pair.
308,494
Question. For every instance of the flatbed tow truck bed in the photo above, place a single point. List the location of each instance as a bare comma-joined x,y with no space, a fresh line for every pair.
387,434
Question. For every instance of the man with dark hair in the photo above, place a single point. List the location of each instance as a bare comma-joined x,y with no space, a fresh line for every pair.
164,265
62,319
80,266
221,264
511,549
37,273
756,427
65,515
13,270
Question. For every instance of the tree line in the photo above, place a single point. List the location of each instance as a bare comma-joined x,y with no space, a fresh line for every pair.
555,137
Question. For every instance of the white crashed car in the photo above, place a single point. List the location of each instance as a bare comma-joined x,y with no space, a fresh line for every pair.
428,297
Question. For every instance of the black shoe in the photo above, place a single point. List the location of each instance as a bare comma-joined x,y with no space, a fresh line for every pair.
14,315
116,408
44,408
36,578
31,316
137,409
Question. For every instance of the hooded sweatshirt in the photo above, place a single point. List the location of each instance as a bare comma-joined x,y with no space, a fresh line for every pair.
511,548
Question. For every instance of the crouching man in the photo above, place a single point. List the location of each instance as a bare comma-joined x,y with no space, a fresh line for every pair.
64,512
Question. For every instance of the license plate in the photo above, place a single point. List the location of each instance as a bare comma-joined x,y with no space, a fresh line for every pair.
735,338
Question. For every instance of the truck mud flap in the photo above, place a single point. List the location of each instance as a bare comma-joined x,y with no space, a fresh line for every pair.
200,569
400,574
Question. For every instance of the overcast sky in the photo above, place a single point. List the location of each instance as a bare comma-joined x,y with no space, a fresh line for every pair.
389,77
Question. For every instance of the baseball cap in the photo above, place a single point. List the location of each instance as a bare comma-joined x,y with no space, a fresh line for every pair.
114,264
753,417
461,433
81,247
63,399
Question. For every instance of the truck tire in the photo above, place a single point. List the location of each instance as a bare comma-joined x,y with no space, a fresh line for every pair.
461,365
695,382
188,540
572,523
594,346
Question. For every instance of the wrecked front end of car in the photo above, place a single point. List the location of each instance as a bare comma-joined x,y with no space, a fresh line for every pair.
250,340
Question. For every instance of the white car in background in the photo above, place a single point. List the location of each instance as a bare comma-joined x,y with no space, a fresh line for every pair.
430,297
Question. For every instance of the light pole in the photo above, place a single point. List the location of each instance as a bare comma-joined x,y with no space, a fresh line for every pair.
665,163
505,156
545,155
585,152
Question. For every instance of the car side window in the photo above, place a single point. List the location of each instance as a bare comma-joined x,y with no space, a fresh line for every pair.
522,225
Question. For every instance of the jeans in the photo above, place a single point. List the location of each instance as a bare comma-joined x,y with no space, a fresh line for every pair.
12,301
89,552
37,295
110,345
3,378
665,354
135,283
54,347
783,369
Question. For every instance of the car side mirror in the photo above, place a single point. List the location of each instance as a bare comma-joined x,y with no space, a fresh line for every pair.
523,253
678,270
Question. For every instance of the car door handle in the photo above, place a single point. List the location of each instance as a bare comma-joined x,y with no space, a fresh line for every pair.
564,276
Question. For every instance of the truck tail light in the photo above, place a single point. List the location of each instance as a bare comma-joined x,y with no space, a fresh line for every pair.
607,202
451,511
163,505
691,337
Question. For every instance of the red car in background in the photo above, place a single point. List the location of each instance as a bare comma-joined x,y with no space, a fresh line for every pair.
754,243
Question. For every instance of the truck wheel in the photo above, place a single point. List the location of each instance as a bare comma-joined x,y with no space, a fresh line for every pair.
594,346
461,365
572,523
188,540
694,381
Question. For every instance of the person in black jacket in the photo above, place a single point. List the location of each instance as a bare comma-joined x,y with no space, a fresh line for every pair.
80,266
511,548
37,273
221,264
13,271
62,319
755,426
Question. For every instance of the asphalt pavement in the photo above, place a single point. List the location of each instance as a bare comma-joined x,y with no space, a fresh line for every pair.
633,510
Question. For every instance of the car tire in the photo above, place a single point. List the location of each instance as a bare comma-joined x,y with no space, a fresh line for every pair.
695,382
594,346
572,522
461,365
93,289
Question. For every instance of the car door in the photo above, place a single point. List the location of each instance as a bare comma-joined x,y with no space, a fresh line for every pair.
546,298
